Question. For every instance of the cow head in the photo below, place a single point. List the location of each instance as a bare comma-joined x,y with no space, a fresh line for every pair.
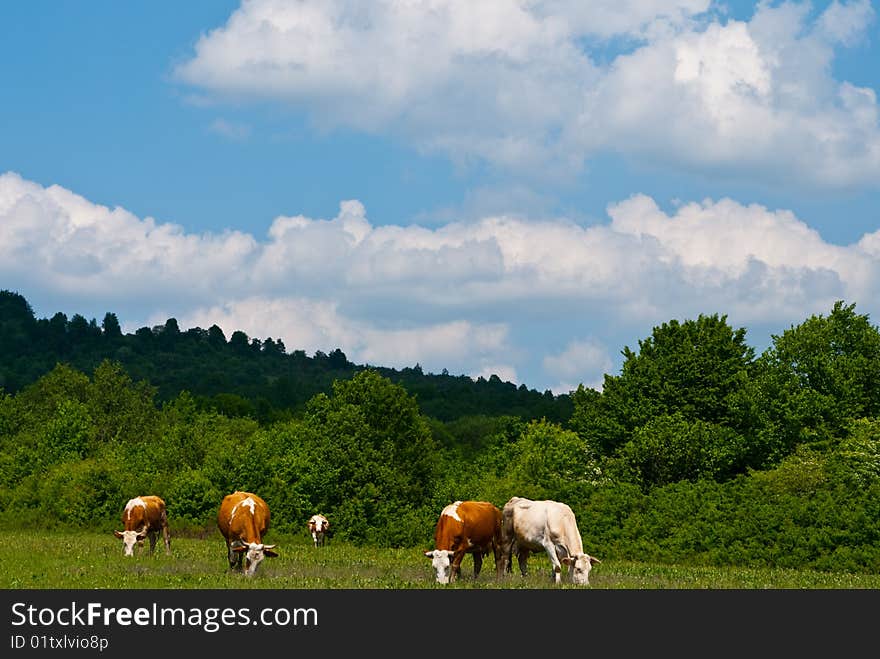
256,552
130,538
441,562
318,525
579,567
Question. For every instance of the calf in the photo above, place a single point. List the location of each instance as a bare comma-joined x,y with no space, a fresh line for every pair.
243,519
142,517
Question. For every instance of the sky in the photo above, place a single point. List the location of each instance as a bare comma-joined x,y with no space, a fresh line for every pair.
512,187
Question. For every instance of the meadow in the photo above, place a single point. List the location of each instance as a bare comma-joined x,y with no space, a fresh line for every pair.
79,559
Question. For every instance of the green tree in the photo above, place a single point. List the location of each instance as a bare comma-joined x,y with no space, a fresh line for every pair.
17,323
110,326
694,368
122,410
550,462
856,460
671,448
372,457
815,379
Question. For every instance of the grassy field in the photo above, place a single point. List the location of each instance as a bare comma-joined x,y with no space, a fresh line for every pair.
89,560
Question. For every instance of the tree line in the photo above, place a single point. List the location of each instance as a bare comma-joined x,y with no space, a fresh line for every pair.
699,451
239,376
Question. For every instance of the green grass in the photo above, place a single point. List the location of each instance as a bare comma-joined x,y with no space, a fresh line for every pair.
88,560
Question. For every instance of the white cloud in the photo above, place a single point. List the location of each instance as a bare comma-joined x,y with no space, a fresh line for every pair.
519,82
313,325
845,22
750,99
583,361
449,297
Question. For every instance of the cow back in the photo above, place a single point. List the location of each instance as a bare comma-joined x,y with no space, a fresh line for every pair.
529,521
477,522
143,511
243,516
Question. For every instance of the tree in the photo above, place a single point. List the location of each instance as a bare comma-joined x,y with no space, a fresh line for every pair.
122,410
17,323
549,462
373,459
337,359
671,448
814,379
80,330
239,341
110,326
694,368
216,337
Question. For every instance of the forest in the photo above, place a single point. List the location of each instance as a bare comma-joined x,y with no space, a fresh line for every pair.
700,451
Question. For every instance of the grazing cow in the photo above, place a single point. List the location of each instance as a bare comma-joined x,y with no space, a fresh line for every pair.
243,519
550,526
465,527
318,528
144,516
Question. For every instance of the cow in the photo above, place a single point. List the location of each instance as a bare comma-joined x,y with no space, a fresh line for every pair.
465,527
318,529
528,526
144,516
243,519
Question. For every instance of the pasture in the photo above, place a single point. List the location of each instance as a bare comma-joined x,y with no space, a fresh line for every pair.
75,559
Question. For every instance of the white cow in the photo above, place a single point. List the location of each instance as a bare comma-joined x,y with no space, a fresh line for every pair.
528,526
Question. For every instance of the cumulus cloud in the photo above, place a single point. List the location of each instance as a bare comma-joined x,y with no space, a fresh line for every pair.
524,84
452,296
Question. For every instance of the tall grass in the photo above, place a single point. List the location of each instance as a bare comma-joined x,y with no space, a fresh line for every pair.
59,559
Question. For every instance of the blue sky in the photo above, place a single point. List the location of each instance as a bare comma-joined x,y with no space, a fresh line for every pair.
518,187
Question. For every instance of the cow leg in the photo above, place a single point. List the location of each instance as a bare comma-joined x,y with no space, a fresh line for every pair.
455,566
506,552
234,557
153,535
499,563
478,563
522,558
554,559
166,532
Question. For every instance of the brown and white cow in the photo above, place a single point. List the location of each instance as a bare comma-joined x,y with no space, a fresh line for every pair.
243,519
144,516
550,526
465,527
318,529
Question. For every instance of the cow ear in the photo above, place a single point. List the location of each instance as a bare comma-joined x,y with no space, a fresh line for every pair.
267,551
566,560
429,554
118,534
240,548
594,560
